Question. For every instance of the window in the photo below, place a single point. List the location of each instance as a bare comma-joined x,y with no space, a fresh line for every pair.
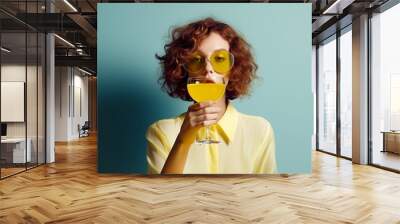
346,92
385,89
327,96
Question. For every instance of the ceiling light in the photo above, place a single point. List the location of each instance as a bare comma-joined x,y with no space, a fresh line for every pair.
70,5
5,50
84,71
64,40
331,7
338,6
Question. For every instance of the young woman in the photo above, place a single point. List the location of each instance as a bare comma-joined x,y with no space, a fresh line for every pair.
212,50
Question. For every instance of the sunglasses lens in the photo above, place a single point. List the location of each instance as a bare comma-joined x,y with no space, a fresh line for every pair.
196,63
222,61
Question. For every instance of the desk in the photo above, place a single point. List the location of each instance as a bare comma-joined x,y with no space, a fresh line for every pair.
391,141
13,150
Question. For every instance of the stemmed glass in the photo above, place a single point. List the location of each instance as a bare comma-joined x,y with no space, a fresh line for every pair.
206,88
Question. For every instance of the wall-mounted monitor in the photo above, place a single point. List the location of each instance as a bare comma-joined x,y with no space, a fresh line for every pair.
3,129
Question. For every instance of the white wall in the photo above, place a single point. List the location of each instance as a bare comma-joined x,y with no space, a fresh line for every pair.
9,73
80,110
16,72
62,82
71,93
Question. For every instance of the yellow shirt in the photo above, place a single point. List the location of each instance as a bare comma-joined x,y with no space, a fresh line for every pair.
247,146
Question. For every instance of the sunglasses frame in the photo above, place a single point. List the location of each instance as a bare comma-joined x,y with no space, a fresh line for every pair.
232,57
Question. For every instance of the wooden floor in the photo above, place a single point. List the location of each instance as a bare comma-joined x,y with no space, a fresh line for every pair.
8,171
5,172
387,159
71,191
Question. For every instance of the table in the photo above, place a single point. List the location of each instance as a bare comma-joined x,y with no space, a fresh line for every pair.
13,150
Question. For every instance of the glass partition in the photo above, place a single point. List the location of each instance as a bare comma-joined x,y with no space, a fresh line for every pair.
14,153
22,101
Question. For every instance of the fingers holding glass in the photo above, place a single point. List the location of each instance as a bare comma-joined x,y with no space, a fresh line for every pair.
203,91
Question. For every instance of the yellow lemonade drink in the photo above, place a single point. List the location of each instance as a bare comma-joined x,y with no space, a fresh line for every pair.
201,92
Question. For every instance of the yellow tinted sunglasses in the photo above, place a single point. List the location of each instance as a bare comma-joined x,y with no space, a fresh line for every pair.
220,60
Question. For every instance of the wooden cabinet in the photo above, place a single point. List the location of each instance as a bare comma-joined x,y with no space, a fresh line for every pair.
391,141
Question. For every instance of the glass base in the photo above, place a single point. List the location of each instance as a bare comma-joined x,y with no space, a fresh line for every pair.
207,141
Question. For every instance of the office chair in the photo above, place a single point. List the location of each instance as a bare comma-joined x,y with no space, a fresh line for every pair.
84,130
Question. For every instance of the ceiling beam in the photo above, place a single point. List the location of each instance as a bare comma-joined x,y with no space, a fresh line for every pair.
85,61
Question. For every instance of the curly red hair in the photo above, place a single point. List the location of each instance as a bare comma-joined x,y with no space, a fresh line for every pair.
186,40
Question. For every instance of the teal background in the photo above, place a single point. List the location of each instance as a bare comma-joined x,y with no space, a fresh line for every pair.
130,99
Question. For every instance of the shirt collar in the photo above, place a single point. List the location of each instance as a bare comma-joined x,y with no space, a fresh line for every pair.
228,123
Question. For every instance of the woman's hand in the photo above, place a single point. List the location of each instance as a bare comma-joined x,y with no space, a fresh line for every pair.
198,115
